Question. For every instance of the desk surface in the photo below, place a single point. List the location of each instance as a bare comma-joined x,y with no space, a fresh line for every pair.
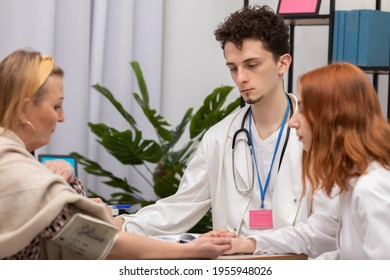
264,257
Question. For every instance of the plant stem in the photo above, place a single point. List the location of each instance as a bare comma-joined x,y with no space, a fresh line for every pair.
143,176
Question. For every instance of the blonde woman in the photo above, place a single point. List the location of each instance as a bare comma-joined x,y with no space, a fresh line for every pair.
42,216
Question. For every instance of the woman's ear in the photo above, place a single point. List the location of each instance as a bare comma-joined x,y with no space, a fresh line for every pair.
24,110
284,63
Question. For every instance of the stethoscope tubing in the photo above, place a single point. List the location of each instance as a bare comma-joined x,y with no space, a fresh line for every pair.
249,143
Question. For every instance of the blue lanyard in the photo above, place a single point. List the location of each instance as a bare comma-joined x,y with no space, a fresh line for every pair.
263,190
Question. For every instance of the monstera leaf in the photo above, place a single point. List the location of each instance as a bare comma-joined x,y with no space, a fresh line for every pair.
211,111
127,146
107,94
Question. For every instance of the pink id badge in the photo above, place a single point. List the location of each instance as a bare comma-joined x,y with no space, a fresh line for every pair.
260,219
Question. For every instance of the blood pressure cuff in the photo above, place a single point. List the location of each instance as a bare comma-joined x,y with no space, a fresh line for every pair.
87,236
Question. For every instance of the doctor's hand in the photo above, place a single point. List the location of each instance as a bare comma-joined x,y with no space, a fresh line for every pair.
223,232
242,246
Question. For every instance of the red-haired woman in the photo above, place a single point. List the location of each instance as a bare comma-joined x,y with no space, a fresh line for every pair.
345,138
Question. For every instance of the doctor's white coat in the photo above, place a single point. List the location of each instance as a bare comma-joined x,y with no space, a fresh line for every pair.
208,183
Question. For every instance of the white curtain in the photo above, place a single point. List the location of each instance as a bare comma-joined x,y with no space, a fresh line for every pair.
94,42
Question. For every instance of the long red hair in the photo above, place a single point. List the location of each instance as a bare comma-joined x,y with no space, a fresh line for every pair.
349,130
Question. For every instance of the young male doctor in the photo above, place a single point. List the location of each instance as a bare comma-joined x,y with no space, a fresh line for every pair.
247,167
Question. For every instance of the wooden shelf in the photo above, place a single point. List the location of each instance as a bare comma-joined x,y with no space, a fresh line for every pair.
375,69
306,19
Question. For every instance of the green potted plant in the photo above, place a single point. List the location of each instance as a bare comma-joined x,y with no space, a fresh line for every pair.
130,148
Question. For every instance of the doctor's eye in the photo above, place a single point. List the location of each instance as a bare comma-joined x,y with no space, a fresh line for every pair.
57,107
252,65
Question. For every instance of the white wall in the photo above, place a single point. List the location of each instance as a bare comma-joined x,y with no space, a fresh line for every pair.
193,61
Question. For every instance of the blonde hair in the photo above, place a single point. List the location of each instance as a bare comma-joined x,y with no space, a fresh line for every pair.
349,130
23,74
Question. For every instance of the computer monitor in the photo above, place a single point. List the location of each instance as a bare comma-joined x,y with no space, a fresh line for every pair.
71,159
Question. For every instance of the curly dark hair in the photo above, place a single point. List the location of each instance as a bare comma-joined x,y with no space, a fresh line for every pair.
255,22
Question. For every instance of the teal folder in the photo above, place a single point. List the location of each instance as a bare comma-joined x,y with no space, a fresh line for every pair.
374,36
335,35
340,47
351,36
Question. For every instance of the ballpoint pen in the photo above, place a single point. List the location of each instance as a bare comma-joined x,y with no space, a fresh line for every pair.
120,206
230,229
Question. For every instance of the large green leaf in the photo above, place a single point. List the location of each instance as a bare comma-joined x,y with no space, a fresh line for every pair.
166,186
133,195
178,132
126,146
159,123
141,82
184,154
167,178
211,111
101,129
129,148
106,93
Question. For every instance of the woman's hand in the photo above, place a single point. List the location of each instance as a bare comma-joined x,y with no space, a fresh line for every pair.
239,245
117,221
208,247
100,201
62,168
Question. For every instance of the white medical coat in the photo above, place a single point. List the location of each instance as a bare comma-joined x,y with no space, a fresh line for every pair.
208,183
359,220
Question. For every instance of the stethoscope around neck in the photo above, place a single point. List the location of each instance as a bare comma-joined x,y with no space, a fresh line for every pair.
250,146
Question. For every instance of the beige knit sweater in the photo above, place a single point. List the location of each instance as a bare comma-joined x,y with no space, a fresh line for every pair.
31,197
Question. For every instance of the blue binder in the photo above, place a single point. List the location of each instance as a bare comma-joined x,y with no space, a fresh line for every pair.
340,45
374,36
335,50
351,36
